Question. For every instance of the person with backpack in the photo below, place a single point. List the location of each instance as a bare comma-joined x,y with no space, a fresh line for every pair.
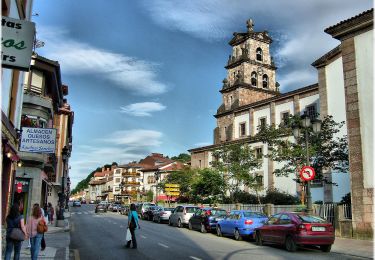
14,220
132,225
35,227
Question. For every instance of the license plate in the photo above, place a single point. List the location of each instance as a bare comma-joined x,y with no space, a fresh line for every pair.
318,229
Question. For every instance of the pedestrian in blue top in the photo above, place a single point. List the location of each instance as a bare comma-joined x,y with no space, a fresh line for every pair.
132,225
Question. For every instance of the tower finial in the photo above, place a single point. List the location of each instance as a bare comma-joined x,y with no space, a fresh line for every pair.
249,25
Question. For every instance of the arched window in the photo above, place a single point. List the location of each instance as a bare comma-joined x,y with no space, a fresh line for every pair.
254,78
265,81
259,53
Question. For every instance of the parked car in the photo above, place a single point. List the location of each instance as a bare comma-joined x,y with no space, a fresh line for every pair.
124,210
101,207
115,207
83,202
205,219
92,201
181,215
76,203
150,211
162,215
240,224
296,229
142,208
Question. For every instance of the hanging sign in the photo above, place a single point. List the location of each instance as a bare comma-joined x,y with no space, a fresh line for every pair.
19,187
16,43
307,173
38,140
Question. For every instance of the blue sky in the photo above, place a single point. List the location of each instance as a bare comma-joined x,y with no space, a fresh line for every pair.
144,76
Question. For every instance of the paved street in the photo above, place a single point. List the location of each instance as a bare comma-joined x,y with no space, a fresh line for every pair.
102,236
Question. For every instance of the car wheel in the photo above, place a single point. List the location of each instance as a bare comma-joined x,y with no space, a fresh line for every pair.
159,220
290,244
169,222
237,235
149,218
326,248
258,239
179,224
203,228
218,232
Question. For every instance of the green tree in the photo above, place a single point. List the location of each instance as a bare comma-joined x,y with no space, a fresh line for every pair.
150,195
326,150
237,162
184,178
209,185
182,157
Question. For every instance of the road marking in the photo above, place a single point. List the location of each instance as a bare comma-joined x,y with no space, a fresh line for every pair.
142,236
195,258
160,244
86,213
79,213
76,254
114,223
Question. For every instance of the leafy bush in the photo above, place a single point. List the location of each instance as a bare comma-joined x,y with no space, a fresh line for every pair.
280,198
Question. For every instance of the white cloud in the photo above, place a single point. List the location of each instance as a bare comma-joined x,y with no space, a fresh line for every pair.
142,109
135,138
76,57
301,78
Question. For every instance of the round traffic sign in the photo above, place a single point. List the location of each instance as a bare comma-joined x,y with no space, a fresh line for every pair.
307,173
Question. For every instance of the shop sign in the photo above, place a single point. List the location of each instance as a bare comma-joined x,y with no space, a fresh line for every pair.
38,140
16,43
19,187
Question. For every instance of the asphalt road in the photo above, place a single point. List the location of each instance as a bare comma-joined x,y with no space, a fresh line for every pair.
102,236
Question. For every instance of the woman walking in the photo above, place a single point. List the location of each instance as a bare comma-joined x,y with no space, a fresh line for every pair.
132,225
32,231
51,212
14,220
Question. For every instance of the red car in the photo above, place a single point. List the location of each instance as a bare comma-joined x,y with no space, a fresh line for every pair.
295,229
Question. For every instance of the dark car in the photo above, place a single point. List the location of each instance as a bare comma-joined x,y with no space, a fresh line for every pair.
76,203
205,219
101,207
296,229
124,210
150,211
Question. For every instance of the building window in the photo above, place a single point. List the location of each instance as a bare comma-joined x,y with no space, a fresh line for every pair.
284,119
49,191
265,81
259,152
242,129
259,178
200,163
33,121
231,100
254,78
259,54
311,111
118,180
262,122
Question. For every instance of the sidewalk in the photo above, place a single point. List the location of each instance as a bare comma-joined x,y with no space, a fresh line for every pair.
354,247
57,241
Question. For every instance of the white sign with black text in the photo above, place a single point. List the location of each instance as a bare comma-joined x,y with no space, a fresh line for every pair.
38,140
17,38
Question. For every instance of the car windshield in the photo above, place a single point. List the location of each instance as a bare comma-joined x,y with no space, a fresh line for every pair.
254,215
218,212
190,209
311,219
152,208
168,209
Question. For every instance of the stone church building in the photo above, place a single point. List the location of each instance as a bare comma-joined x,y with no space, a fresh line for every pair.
251,98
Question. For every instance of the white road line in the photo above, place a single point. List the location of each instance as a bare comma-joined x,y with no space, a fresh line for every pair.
114,223
142,236
79,213
121,226
195,258
86,213
160,244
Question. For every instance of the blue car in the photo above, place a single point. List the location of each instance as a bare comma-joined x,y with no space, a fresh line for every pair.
240,223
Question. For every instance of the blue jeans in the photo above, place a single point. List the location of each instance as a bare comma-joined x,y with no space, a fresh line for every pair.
35,246
9,248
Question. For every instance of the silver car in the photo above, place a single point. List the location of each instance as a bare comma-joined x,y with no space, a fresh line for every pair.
162,214
181,215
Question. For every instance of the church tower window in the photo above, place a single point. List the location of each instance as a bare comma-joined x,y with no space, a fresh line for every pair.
254,78
259,54
265,81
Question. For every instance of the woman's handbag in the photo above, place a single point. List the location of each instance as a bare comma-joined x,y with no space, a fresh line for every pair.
128,235
43,244
42,227
17,234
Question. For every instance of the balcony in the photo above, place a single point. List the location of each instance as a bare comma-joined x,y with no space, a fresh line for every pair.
131,183
129,192
131,174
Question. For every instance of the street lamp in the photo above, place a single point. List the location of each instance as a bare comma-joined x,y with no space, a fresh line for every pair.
157,176
298,131
64,155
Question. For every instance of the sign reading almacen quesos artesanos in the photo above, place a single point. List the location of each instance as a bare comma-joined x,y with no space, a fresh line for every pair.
17,37
38,140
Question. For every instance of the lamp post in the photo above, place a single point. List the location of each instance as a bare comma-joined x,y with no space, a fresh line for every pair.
65,155
157,176
298,131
